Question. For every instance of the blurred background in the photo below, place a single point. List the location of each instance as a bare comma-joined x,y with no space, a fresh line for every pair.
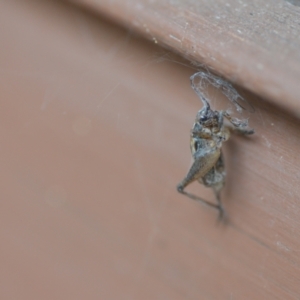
94,138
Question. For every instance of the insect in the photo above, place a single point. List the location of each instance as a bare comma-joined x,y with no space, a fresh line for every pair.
207,136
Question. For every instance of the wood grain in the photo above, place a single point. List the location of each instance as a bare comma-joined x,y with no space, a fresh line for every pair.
94,132
253,43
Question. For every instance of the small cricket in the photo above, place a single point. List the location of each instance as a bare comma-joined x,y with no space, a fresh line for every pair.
207,136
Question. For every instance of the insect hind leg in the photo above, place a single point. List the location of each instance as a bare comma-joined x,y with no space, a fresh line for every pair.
215,179
181,190
199,168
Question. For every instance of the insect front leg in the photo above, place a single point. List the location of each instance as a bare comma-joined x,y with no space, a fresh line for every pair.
240,126
201,166
243,131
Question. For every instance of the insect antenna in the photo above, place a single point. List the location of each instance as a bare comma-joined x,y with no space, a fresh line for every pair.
199,92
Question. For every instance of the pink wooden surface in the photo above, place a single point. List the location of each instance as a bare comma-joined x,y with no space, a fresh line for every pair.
94,135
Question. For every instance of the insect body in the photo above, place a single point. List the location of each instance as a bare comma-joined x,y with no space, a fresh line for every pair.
207,136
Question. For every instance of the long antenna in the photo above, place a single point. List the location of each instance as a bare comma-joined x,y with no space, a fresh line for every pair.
199,93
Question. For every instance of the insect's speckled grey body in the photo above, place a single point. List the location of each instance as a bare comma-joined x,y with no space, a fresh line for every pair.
207,136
